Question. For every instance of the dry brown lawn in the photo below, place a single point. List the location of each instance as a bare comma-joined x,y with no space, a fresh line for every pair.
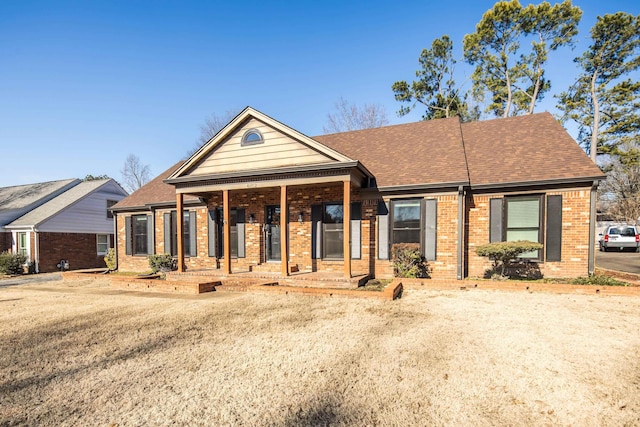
83,354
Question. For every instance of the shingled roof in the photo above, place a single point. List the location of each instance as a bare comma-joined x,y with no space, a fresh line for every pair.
23,196
154,192
524,149
56,205
421,153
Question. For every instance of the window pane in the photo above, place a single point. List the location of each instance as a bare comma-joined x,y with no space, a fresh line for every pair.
140,235
406,236
530,235
406,221
333,243
406,214
186,240
523,213
333,214
234,240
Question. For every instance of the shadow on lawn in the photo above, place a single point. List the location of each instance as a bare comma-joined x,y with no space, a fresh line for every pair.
41,352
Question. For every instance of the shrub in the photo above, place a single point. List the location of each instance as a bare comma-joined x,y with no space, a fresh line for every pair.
408,261
11,263
162,263
598,280
110,259
503,252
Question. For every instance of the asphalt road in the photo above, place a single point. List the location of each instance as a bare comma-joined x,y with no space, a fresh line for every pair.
629,262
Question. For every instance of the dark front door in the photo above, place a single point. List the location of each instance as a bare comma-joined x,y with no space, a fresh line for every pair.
272,233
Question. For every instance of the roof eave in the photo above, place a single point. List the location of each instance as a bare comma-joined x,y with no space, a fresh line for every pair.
539,183
423,187
274,171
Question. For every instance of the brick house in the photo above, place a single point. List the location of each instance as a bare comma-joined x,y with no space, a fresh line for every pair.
260,196
60,220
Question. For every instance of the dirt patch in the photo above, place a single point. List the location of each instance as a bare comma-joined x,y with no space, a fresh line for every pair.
86,355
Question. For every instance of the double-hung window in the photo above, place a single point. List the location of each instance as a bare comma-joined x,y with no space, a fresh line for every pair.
140,234
171,233
406,223
23,244
523,221
333,231
102,243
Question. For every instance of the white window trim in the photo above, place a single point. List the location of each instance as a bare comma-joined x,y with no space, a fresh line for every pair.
14,243
98,244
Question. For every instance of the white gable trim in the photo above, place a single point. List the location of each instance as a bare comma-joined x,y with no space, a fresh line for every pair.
247,113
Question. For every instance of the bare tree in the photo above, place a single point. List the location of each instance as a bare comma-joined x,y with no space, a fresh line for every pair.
351,117
134,173
212,125
621,190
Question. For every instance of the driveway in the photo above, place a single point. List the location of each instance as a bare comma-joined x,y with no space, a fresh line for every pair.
30,278
629,262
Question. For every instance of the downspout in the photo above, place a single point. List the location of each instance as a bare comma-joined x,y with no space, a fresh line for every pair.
461,221
592,228
36,249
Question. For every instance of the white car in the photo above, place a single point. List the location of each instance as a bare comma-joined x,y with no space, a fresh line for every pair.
620,237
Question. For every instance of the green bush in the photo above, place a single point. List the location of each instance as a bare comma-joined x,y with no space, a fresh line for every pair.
11,263
503,252
162,263
408,261
598,280
110,259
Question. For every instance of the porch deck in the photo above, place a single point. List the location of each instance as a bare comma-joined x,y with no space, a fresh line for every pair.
324,279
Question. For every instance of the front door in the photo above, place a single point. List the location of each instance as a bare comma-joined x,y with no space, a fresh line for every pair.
272,233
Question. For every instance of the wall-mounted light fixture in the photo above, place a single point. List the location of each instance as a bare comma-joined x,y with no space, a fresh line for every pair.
252,218
300,217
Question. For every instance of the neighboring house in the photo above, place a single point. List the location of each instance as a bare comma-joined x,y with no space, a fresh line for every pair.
261,196
17,200
72,222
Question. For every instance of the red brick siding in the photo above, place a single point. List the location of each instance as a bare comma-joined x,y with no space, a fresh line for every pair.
79,249
445,264
575,234
5,241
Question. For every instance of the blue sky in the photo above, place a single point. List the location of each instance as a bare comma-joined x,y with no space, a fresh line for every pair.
85,83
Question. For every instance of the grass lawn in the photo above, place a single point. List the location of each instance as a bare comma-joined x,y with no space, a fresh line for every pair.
84,354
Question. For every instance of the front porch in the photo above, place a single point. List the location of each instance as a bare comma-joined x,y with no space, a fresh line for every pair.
242,279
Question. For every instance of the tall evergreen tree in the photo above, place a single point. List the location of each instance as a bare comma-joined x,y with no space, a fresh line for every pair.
511,75
605,104
435,87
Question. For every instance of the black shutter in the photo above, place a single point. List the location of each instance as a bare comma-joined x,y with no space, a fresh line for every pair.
356,232
211,231
128,235
241,232
430,228
150,235
554,228
193,250
383,230
167,233
316,231
495,220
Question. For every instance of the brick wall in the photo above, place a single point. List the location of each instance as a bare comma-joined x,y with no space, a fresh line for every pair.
79,249
5,241
575,234
445,264
299,199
